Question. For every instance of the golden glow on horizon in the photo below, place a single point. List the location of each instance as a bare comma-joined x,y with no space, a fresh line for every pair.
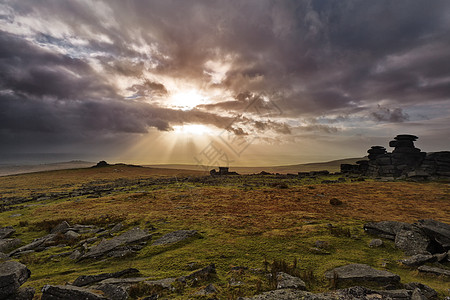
193,129
186,100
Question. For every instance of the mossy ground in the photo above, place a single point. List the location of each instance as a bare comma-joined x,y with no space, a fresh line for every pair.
247,221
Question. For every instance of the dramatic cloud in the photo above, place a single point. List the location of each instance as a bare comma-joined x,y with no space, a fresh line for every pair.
78,71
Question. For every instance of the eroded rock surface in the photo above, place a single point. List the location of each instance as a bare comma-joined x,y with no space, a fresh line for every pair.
361,272
12,275
175,237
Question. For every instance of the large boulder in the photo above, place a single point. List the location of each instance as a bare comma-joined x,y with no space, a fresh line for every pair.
438,231
361,273
412,242
175,237
24,293
12,275
7,245
65,292
386,229
132,236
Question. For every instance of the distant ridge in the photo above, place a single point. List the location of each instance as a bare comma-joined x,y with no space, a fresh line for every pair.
21,169
332,166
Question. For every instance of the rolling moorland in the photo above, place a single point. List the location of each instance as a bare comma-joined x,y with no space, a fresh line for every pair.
249,227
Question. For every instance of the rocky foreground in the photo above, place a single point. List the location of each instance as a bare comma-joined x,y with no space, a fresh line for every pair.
425,242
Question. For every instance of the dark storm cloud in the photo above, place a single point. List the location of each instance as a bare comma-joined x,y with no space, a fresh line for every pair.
311,59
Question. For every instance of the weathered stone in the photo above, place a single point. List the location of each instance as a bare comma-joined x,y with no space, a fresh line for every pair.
6,232
7,245
75,255
322,244
4,256
434,270
412,241
84,280
441,257
135,235
113,292
319,251
206,273
417,260
374,243
335,201
438,231
12,275
281,294
62,292
118,227
361,272
425,290
386,229
61,227
286,281
175,237
34,244
207,291
24,293
71,235
165,283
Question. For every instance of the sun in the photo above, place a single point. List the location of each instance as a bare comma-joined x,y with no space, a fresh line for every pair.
187,100
193,129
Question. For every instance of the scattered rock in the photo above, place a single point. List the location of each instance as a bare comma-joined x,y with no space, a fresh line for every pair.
61,227
386,229
84,280
438,231
425,290
165,283
207,291
319,251
12,275
123,282
335,201
113,292
40,242
4,256
6,232
118,227
134,235
206,273
71,235
59,292
75,255
175,237
375,243
417,260
286,281
361,272
441,257
7,245
24,293
434,270
281,294
412,241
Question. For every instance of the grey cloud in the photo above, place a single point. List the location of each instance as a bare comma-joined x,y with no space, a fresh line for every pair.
384,114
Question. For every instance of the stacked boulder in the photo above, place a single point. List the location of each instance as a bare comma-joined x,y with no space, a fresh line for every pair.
12,275
436,163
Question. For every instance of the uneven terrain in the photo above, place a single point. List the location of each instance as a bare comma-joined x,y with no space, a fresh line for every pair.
244,225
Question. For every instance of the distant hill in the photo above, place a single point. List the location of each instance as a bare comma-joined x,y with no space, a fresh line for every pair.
20,169
332,166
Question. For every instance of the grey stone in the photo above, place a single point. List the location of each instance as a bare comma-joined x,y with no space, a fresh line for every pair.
361,272
71,235
7,245
61,227
434,270
12,275
441,257
417,295
206,273
412,241
375,243
206,291
165,283
282,294
386,229
66,292
134,235
425,290
439,231
118,227
84,280
24,293
113,292
175,237
6,232
4,256
75,255
34,244
417,260
286,281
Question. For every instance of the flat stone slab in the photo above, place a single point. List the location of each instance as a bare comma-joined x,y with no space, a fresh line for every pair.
12,275
7,245
175,237
438,230
84,280
418,260
362,272
34,244
434,270
59,292
132,236
165,283
386,229
412,241
6,232
282,294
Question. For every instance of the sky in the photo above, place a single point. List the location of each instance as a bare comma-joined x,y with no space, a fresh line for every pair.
245,83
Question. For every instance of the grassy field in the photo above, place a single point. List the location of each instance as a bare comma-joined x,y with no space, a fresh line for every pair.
248,221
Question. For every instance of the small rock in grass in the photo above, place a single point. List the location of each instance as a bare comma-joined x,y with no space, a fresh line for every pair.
335,201
375,243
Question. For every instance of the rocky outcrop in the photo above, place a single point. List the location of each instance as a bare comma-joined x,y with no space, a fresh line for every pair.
7,245
361,272
132,236
6,232
436,231
386,229
286,281
418,260
84,280
175,237
12,275
434,270
62,292
412,241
